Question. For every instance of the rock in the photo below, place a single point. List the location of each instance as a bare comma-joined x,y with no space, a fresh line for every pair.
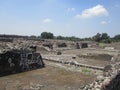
106,81
109,48
100,78
59,53
107,68
97,89
36,86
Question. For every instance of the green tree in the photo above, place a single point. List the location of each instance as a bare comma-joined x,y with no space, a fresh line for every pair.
47,35
104,36
72,38
116,37
60,37
33,36
106,41
97,37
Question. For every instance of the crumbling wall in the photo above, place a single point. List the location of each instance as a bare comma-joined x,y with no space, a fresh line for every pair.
84,45
49,45
62,45
77,46
6,39
18,60
114,83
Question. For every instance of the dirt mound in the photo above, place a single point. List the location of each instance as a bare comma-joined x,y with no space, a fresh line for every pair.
41,48
96,56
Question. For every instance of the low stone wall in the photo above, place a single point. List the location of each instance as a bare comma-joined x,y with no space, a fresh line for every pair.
75,63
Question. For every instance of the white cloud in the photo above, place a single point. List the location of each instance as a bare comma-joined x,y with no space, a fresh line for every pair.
104,22
47,20
70,9
97,10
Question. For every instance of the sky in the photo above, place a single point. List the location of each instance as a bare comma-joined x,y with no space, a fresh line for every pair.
80,18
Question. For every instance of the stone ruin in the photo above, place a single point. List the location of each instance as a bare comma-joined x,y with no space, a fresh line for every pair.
59,53
81,45
62,44
109,80
77,46
49,45
14,60
6,39
114,84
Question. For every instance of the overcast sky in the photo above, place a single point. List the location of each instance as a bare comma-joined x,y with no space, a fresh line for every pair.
81,18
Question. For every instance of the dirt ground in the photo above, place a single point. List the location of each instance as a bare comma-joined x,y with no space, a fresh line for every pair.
96,57
48,78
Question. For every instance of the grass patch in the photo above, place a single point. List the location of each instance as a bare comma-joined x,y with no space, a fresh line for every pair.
102,45
85,70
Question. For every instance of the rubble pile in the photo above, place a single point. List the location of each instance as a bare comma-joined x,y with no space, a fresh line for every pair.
114,83
109,80
17,44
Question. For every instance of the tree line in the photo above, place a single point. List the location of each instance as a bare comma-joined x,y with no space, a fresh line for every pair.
49,35
99,37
